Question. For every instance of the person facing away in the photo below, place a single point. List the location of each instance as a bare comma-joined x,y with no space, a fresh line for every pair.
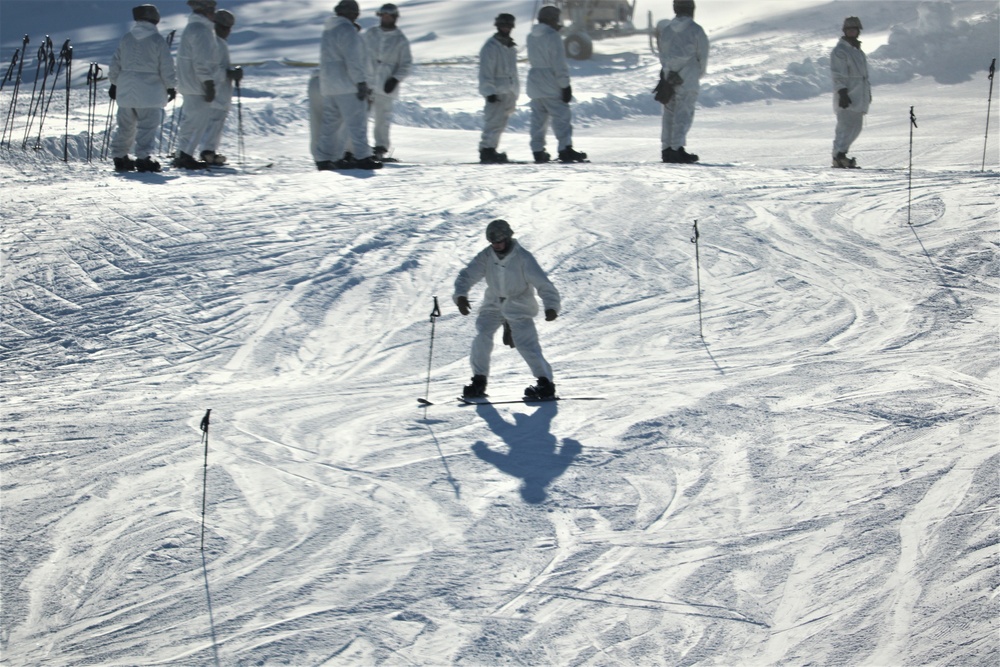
224,22
683,50
852,92
198,70
344,88
389,63
512,277
143,80
499,85
549,88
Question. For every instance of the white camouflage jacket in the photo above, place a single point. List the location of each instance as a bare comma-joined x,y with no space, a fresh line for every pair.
142,68
510,282
498,69
389,57
849,69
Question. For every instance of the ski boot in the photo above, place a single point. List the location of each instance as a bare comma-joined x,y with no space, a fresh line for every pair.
147,164
382,154
477,389
841,161
123,164
683,157
669,155
368,163
326,165
491,156
569,155
542,391
185,161
212,158
541,157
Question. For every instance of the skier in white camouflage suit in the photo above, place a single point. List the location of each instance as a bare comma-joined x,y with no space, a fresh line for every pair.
389,62
683,49
549,88
852,91
219,111
143,80
198,69
512,277
499,85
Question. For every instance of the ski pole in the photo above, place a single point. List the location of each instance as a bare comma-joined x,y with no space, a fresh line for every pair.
69,79
105,145
52,91
989,103
163,113
41,63
697,263
10,69
435,313
909,184
204,480
12,110
239,124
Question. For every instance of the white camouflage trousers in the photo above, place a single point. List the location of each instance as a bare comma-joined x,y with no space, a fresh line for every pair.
136,126
544,110
525,340
381,113
196,114
849,124
495,117
678,116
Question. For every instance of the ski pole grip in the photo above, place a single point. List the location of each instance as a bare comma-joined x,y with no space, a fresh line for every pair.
437,310
205,420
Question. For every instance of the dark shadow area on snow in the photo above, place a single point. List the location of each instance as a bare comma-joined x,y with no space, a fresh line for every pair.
534,454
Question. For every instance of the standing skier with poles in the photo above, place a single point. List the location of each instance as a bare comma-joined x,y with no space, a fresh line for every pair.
512,276
143,81
852,91
219,111
198,70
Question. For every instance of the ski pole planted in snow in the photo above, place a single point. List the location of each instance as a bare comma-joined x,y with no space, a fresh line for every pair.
239,124
69,77
989,103
8,75
12,110
909,183
697,264
435,313
204,481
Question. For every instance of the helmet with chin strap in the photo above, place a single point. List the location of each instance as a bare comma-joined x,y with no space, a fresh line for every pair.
498,231
852,22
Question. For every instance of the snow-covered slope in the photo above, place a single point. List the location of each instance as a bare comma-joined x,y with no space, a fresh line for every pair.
804,474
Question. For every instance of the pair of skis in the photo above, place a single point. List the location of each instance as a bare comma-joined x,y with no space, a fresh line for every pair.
485,400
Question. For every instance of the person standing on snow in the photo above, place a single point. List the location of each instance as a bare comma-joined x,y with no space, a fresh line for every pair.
549,88
224,21
852,92
512,275
498,83
143,80
683,49
344,87
389,62
198,71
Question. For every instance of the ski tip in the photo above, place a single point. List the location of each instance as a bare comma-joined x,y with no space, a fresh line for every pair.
424,401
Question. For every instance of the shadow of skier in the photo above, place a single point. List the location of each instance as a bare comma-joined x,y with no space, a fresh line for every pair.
532,455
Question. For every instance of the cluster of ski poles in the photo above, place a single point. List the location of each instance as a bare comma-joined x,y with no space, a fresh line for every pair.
48,67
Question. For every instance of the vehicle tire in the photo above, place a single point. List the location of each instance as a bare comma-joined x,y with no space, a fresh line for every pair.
579,46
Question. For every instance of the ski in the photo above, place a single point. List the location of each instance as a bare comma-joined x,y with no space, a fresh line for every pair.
463,400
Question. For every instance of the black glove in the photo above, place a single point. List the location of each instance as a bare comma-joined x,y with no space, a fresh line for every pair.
674,79
113,92
567,94
209,91
171,94
492,98
463,305
550,314
235,74
390,84
363,91
508,335
845,99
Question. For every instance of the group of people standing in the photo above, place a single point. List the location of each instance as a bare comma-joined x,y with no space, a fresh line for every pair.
144,79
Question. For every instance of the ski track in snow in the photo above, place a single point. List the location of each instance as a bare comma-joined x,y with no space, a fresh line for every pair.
813,482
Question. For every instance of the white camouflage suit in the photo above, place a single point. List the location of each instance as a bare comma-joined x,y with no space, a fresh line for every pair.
849,69
388,57
683,48
548,74
141,71
511,282
497,76
223,101
341,69
198,61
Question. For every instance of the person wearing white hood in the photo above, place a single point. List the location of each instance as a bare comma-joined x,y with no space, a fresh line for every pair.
852,91
199,68
549,88
499,85
143,80
512,276
683,50
343,86
224,22
389,62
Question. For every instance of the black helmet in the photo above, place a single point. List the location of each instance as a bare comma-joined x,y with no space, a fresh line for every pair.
146,13
504,19
498,230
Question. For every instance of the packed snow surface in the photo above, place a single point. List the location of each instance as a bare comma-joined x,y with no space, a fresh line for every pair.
795,465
